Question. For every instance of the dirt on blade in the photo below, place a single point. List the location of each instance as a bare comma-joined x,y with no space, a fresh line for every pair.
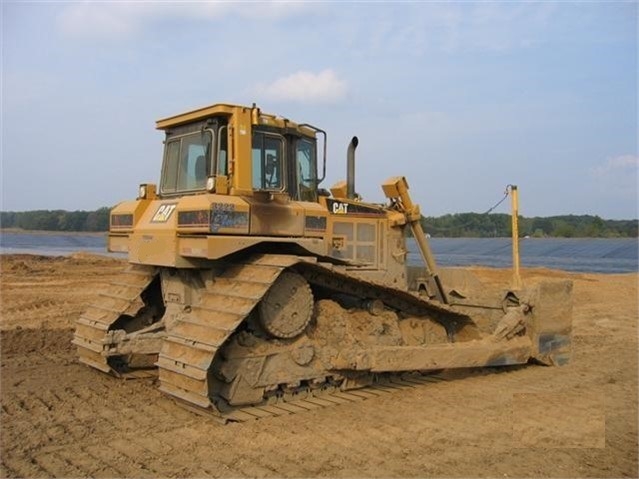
62,419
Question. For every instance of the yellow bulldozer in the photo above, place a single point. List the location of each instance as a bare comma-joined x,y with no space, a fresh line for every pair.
251,291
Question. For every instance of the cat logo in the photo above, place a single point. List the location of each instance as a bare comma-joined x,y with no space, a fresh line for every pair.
163,213
340,208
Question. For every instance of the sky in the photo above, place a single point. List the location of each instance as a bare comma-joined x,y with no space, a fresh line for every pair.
461,98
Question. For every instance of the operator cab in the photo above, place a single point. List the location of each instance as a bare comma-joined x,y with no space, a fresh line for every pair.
271,155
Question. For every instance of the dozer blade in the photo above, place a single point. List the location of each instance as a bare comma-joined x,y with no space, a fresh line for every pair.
551,322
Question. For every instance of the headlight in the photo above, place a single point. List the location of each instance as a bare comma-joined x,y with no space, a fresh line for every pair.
122,221
194,219
210,184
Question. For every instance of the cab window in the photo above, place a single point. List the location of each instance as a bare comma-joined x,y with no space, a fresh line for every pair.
187,162
267,162
222,151
306,170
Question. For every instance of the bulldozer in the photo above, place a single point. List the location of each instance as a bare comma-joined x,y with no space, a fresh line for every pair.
252,291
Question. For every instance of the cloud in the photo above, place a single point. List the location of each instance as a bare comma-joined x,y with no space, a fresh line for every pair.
623,164
86,19
118,19
418,28
305,87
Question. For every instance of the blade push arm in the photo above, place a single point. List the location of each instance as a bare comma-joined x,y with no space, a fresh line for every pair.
396,189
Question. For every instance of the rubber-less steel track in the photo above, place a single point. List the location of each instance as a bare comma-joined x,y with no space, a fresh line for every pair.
191,345
341,279
309,400
121,297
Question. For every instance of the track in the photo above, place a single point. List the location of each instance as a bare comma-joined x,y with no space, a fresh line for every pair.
122,296
309,400
193,342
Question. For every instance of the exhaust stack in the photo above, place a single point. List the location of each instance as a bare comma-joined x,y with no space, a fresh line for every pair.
350,169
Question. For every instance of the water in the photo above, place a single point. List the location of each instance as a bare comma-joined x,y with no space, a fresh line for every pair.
51,244
584,255
596,255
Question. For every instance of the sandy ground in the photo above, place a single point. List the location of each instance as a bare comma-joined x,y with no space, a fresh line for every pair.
61,419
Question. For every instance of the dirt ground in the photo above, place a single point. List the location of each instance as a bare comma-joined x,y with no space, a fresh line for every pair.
61,419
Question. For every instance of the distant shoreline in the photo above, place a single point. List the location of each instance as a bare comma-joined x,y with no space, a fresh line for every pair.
52,232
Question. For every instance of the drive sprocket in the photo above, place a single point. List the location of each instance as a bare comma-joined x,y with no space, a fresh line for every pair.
287,307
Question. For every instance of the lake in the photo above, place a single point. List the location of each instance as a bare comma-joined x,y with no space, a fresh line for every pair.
597,255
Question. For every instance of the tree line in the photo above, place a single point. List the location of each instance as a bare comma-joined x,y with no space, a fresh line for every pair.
476,225
56,220
452,225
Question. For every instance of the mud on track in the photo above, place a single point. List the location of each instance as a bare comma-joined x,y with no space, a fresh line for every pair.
60,419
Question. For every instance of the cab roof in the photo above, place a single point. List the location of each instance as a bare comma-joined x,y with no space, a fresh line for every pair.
228,110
